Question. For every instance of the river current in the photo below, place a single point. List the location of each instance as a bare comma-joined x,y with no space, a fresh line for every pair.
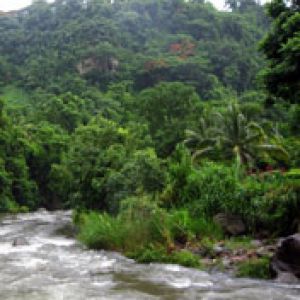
56,267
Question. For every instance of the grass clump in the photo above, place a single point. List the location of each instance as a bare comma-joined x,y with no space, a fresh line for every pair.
142,231
160,254
254,268
100,231
185,258
139,224
244,242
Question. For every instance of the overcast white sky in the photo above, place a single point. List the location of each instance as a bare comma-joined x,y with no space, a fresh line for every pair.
6,5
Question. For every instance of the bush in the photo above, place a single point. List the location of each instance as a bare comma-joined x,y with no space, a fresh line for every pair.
139,224
142,231
206,191
212,189
272,203
186,228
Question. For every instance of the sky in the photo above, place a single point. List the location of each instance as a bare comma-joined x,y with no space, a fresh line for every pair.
6,5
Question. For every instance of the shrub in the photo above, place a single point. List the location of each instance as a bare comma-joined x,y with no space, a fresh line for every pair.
272,203
139,224
212,189
184,227
179,169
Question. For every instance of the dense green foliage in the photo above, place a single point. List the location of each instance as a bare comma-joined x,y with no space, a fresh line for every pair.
282,48
148,118
142,41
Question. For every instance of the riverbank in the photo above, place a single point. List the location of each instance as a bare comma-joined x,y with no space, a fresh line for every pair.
146,240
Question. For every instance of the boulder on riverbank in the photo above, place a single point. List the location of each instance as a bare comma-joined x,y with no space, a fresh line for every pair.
230,224
287,259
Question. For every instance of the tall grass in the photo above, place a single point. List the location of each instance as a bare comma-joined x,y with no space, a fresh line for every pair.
145,231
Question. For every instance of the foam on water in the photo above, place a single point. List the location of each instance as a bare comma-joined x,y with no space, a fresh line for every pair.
55,267
61,242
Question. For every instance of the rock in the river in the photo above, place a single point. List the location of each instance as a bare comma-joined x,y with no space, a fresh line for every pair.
230,224
20,241
287,258
286,277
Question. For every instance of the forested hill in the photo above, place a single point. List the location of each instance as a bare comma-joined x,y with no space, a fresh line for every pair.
157,121
58,46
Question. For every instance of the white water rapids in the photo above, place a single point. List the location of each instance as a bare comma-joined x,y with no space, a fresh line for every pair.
55,267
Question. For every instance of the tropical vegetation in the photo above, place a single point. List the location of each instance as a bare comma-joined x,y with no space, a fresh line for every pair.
149,118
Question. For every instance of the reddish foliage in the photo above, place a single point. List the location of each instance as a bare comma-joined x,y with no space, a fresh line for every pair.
175,48
154,64
183,49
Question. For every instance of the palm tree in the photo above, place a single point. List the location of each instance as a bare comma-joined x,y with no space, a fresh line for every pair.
203,141
236,137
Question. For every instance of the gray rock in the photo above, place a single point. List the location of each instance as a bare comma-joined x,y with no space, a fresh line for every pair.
20,241
226,262
230,224
256,243
286,277
287,257
218,250
263,251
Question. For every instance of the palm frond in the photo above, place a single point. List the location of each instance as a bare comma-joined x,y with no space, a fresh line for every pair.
201,152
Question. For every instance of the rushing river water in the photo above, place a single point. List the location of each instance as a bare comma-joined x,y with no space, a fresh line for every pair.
56,267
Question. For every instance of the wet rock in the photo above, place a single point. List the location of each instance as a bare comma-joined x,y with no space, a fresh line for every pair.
265,251
256,243
68,230
219,250
208,262
20,241
230,224
287,257
226,262
286,277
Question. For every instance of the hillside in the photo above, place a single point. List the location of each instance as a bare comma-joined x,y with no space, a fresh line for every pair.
141,41
168,127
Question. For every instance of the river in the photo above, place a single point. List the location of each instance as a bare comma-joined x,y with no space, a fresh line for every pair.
54,266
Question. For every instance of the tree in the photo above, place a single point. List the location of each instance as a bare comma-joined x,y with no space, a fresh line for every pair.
244,140
282,49
168,108
203,140
236,138
16,186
